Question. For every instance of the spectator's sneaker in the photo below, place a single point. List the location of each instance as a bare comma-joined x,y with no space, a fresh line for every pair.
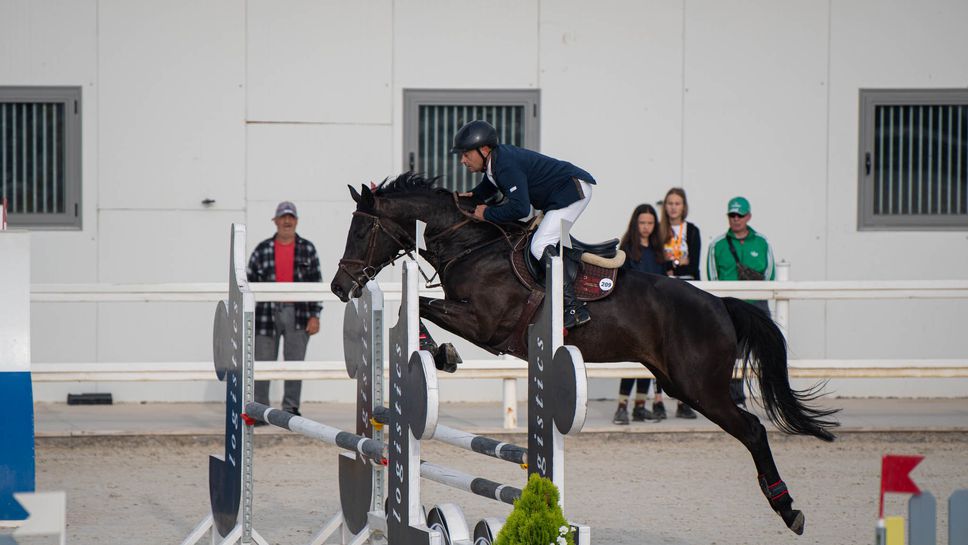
621,416
658,410
641,414
293,411
685,411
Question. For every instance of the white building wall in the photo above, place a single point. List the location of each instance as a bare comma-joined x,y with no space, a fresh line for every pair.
252,103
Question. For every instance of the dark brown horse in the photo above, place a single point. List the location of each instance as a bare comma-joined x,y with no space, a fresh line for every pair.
687,337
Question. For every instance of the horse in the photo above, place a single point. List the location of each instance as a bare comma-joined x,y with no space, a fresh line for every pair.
688,338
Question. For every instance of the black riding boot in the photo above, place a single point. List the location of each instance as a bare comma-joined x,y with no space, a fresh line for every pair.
573,307
446,357
575,312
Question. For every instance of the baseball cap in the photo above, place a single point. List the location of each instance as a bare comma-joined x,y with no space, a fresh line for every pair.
285,207
737,205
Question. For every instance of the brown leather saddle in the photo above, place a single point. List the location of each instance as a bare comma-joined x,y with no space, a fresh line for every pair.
596,280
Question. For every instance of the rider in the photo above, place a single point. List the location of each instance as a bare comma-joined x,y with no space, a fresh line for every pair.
526,178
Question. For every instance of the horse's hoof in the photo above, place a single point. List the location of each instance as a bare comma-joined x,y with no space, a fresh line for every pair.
794,521
451,354
446,358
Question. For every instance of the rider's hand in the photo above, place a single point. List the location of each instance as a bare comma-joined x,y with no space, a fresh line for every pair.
479,211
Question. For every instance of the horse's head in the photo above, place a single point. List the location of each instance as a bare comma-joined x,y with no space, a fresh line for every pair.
383,228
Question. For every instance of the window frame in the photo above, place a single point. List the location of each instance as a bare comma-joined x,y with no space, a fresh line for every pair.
869,100
71,97
413,99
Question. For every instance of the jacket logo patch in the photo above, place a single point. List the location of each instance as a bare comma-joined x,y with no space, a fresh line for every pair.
513,189
755,254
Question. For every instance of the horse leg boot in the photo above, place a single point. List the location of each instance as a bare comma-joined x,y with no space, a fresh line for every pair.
445,356
573,307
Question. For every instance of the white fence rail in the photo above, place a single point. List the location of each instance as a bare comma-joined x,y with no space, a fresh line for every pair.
781,291
478,369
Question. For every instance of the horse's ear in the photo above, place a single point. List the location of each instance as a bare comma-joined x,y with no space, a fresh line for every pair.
366,197
353,193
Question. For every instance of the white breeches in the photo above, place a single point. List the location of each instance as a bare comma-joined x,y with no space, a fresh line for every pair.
549,231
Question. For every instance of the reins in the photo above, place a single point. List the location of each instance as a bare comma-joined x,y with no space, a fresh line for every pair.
404,241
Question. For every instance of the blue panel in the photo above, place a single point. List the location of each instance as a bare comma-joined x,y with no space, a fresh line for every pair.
922,519
17,454
958,517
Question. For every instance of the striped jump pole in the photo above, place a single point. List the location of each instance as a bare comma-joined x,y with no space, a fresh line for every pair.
470,441
373,450
478,486
370,448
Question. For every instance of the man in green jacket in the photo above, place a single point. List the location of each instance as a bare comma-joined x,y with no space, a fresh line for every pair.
740,254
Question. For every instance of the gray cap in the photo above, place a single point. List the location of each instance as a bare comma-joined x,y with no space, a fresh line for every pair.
285,207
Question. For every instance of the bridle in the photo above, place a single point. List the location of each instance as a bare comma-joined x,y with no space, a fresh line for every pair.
369,270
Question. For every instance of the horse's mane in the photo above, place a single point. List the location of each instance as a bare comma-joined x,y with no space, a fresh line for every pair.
409,182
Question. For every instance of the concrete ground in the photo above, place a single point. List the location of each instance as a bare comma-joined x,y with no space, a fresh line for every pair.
138,473
62,420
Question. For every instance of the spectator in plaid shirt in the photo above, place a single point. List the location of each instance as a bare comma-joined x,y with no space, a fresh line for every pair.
286,257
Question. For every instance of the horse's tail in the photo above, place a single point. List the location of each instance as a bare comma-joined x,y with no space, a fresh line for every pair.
762,344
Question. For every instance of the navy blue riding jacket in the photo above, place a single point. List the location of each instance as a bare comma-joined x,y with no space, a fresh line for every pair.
529,178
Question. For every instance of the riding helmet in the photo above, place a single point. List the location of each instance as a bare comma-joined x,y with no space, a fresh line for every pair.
474,135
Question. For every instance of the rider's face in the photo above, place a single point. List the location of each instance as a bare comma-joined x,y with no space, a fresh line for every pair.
473,160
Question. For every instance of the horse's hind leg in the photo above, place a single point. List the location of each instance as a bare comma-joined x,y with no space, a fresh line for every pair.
748,430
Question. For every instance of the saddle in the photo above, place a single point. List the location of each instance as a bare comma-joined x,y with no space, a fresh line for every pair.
596,279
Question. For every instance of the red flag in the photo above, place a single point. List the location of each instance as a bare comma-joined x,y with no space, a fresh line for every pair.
895,476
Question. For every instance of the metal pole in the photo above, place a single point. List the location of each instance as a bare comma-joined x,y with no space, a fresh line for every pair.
510,402
468,483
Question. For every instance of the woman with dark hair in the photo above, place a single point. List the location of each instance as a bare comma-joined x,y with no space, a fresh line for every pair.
643,249
642,243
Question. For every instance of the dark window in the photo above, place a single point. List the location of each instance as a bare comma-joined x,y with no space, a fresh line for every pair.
914,159
40,153
432,117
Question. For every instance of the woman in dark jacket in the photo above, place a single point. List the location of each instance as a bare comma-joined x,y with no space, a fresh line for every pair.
641,242
643,253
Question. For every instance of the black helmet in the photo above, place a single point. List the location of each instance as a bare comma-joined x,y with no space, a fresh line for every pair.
473,136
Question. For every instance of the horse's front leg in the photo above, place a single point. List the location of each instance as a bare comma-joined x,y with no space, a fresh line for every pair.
454,317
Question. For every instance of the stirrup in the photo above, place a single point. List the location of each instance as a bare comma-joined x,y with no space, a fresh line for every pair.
582,316
576,317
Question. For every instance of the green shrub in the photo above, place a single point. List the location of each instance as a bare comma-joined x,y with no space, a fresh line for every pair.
537,518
